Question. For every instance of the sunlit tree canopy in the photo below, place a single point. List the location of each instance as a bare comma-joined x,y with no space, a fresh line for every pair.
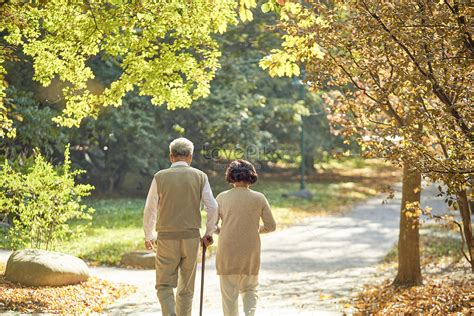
165,49
401,74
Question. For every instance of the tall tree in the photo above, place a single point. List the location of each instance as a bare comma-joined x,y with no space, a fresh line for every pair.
165,48
402,74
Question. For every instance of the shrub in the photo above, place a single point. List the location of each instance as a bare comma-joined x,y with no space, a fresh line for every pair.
41,202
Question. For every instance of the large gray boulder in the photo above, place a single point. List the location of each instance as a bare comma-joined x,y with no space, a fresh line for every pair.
35,267
139,259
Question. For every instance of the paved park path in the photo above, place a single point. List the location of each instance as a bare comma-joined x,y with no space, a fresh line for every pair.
306,269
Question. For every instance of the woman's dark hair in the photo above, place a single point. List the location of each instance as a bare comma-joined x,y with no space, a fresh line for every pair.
241,171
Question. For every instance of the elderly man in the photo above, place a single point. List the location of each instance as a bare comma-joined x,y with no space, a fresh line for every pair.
173,208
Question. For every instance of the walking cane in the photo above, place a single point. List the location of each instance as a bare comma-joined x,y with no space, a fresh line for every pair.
202,276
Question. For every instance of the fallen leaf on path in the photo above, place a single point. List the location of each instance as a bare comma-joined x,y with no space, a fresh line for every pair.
325,296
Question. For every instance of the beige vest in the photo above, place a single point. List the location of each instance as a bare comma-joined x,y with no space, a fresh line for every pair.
180,191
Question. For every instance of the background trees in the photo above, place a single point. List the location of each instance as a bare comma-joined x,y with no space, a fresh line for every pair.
123,146
166,50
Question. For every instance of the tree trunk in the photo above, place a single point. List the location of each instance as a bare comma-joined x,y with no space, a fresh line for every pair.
111,186
463,204
409,271
119,179
471,193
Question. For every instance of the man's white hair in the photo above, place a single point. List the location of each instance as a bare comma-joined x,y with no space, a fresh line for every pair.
181,147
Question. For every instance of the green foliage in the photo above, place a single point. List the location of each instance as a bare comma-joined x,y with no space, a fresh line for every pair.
34,128
164,48
127,140
248,109
6,122
41,202
124,146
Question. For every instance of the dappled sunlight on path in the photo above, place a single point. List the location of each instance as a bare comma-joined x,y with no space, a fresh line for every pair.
306,269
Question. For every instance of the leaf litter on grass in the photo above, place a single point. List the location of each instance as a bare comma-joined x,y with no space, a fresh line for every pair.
448,287
442,297
91,296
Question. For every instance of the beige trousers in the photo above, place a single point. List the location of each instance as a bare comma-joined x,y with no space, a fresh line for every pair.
176,267
231,286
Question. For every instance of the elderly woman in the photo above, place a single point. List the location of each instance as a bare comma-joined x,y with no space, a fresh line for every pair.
238,251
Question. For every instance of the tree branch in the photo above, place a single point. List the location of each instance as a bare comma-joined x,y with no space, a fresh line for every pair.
463,240
391,111
468,42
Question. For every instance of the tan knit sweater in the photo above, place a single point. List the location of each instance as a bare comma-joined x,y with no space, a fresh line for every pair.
238,250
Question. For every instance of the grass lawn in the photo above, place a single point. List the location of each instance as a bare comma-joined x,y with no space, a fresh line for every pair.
437,244
117,224
116,228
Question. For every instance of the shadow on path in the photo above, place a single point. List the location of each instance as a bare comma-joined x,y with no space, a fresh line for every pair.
306,268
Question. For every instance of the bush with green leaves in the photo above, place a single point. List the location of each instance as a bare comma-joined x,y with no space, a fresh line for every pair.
41,202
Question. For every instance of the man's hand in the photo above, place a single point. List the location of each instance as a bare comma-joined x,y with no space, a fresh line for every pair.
207,241
149,244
